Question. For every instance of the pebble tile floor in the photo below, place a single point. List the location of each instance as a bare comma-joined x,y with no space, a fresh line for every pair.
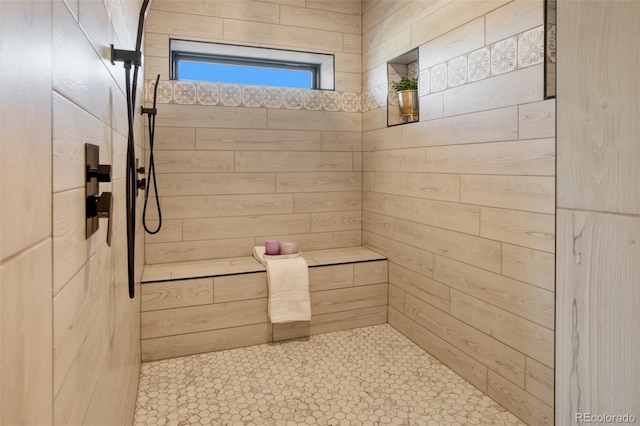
366,376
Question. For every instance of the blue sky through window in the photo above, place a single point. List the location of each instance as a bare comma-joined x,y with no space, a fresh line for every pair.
242,74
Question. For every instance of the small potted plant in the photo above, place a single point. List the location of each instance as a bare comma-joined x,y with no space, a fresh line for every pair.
408,103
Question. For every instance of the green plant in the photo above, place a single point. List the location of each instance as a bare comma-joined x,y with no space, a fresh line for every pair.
405,84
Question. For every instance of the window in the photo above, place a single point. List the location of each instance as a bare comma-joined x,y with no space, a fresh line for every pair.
225,63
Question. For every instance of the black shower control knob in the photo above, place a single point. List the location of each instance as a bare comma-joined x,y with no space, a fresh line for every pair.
142,184
102,173
141,170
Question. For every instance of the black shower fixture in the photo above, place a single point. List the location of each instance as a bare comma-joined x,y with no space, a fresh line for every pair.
131,58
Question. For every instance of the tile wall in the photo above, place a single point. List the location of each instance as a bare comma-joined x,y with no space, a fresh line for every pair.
463,202
238,164
70,333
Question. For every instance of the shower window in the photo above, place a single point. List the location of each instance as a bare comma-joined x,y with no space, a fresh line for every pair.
224,63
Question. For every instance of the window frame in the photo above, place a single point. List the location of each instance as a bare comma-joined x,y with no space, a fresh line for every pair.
319,64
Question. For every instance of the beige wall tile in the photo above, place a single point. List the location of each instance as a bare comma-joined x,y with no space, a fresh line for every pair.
530,193
194,161
420,286
459,41
232,288
539,381
347,299
291,119
264,140
249,10
26,376
173,115
484,126
176,294
537,120
396,299
432,186
172,138
244,226
206,341
516,400
410,257
530,302
466,248
337,321
350,6
223,205
155,44
528,265
512,88
282,36
318,182
452,15
532,158
386,138
533,230
371,272
326,201
330,277
396,160
283,161
202,318
181,184
183,25
513,18
442,214
432,106
196,250
529,338
308,17
474,343
336,221
72,128
386,50
341,141
352,43
378,224
463,364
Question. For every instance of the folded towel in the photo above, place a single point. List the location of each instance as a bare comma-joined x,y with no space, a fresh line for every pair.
288,280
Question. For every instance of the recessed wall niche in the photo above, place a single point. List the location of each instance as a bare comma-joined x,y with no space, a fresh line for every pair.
405,65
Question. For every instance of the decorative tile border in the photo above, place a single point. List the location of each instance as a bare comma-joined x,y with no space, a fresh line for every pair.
513,53
520,51
201,93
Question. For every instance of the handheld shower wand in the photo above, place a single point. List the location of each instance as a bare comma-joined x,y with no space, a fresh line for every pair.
131,58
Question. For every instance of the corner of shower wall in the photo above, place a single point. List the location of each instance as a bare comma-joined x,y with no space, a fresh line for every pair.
463,202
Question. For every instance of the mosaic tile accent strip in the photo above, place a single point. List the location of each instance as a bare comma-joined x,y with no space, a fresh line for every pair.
439,77
503,56
551,43
457,71
479,64
531,47
366,376
203,93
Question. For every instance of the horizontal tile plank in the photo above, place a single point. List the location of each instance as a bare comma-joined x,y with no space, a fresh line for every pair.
532,157
244,226
264,140
286,161
530,193
418,285
319,182
176,294
346,299
202,318
530,302
532,230
232,288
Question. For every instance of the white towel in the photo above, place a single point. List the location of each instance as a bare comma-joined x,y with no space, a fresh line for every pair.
288,280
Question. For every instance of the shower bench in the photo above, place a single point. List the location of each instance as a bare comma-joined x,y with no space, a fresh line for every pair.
209,305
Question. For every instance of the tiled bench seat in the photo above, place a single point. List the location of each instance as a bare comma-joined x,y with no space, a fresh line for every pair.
203,306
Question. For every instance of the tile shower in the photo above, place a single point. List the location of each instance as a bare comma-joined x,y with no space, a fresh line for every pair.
461,203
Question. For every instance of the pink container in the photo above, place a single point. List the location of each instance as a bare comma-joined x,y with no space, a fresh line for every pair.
272,247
